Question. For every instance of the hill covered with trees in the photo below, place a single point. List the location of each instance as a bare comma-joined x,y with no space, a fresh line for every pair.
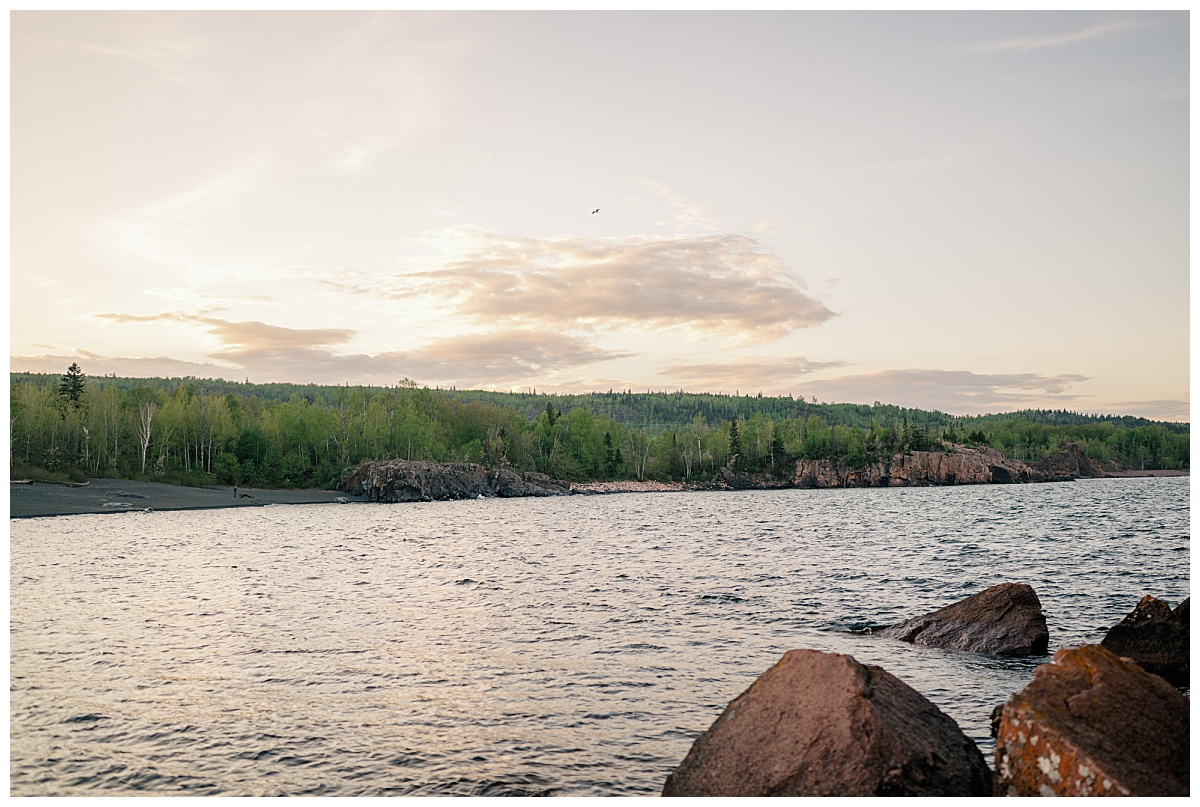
206,431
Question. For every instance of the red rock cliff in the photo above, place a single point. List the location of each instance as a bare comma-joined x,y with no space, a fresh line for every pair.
958,466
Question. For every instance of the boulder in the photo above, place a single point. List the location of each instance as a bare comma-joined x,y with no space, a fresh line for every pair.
821,724
1156,637
1093,724
510,484
544,485
994,719
1006,620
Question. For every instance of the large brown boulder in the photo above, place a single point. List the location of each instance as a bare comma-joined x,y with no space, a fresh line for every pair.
1157,638
1093,724
1006,620
821,724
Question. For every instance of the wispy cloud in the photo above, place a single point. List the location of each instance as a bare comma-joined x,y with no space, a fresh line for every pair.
169,47
503,358
686,215
1171,410
1058,40
247,336
507,358
273,353
745,374
953,391
723,284
126,367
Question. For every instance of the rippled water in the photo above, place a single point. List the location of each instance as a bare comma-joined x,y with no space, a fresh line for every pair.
566,646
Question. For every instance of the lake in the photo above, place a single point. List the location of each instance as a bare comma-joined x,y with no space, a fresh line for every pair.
569,646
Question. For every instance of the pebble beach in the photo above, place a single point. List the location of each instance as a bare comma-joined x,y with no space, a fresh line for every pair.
35,499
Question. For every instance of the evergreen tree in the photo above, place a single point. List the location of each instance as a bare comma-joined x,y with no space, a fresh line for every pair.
735,442
71,389
612,455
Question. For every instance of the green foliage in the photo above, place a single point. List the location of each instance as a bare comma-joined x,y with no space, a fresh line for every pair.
201,431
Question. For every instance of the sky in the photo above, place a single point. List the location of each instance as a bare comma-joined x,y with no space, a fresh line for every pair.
964,211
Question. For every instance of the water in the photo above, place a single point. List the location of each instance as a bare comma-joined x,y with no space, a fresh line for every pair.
568,646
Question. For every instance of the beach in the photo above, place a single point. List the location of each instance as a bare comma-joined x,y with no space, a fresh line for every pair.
31,500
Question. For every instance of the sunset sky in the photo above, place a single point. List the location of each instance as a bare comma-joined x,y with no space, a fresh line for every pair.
972,212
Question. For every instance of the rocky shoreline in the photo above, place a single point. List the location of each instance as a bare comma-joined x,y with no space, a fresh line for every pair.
1093,721
403,480
410,480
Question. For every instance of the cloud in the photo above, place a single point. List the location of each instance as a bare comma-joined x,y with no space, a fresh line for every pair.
166,45
958,392
725,284
1070,38
503,358
686,215
307,355
139,367
251,336
1169,410
497,359
770,375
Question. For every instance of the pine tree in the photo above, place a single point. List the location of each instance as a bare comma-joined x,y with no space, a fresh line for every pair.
71,389
612,455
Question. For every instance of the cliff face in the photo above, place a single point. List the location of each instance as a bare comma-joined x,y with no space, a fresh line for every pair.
959,466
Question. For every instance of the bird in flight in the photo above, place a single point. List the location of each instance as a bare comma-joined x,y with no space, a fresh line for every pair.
594,212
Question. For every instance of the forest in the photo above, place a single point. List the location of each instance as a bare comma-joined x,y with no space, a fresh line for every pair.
197,431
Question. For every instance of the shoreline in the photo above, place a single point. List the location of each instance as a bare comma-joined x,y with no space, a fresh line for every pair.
29,499
99,496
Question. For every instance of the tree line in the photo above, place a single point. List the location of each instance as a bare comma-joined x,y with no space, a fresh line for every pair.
202,431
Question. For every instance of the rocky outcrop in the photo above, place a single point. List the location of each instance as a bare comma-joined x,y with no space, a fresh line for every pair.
510,484
958,466
416,481
1005,620
1093,724
1070,463
821,724
1155,637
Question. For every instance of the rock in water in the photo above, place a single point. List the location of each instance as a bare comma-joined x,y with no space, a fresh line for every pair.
1092,724
1156,637
821,724
1006,620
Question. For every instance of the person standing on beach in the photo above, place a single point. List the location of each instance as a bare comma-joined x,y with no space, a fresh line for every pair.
235,491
